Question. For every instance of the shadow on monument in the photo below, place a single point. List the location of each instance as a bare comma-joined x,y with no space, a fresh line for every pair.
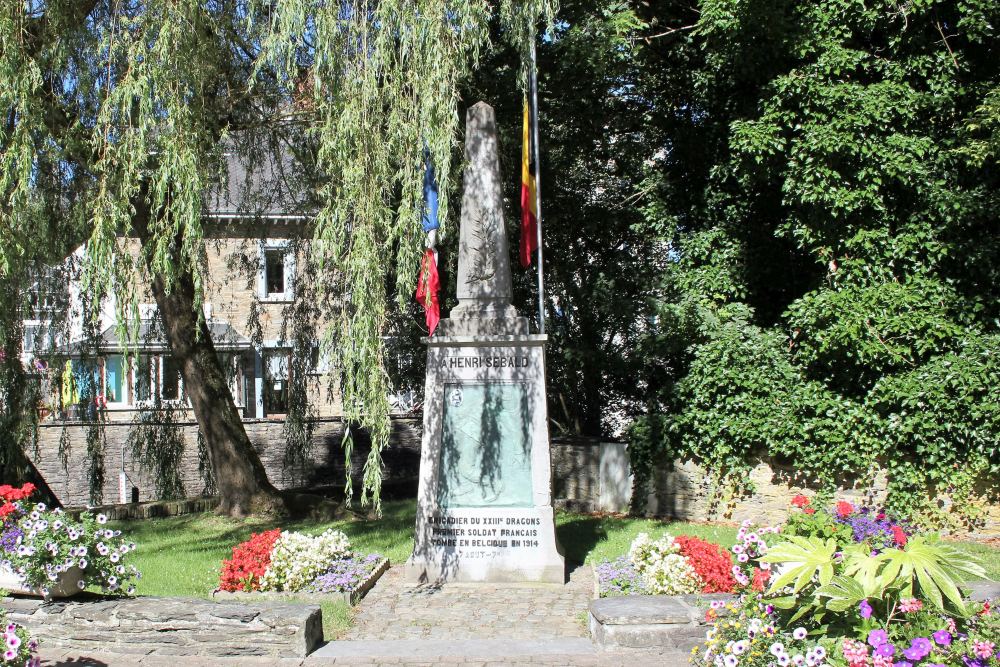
485,458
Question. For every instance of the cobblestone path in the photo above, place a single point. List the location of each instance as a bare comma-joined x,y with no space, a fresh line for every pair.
396,610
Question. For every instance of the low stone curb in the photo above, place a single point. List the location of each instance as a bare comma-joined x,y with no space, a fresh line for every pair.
678,621
172,626
351,598
650,621
159,508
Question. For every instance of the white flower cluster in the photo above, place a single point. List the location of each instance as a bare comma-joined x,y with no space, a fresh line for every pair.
297,559
665,571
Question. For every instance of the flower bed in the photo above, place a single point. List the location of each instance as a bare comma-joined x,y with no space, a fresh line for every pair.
49,553
850,587
667,566
295,565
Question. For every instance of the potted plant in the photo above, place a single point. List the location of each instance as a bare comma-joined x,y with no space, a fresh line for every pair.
46,552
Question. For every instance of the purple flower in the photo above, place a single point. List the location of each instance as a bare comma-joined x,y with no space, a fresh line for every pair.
865,609
902,663
942,637
877,637
919,648
885,650
769,609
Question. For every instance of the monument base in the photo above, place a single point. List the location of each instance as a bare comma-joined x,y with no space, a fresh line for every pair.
486,544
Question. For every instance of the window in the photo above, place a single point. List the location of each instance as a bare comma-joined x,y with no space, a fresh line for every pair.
113,376
145,378
277,271
274,267
276,369
158,377
171,388
46,296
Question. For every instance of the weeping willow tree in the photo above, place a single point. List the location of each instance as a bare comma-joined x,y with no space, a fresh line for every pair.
115,117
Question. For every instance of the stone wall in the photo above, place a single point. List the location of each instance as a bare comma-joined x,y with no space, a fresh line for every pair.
684,490
67,473
587,475
580,474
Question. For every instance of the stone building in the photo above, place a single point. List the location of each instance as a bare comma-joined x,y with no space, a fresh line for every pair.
255,258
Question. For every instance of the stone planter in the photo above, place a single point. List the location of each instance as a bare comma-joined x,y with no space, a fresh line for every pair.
351,598
66,586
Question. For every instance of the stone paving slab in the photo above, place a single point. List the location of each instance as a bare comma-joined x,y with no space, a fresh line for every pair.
64,658
471,648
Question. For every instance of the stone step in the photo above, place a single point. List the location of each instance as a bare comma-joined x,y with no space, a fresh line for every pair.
171,626
650,621
469,648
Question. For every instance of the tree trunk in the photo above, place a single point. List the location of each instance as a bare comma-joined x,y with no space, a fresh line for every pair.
239,474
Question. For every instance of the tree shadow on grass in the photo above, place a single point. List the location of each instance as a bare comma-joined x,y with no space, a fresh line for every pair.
579,534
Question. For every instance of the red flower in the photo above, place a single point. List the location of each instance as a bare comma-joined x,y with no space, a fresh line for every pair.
710,615
10,494
711,563
880,516
760,579
800,501
249,562
986,609
6,509
809,510
844,509
899,535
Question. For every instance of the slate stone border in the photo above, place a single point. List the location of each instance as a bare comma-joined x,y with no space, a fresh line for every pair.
149,510
351,598
678,621
171,626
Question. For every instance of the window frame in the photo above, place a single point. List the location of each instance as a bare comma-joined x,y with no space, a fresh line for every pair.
271,246
155,360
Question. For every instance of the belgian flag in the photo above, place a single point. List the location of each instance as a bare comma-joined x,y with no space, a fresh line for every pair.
529,201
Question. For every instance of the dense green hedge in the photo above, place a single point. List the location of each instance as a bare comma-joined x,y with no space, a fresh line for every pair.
830,203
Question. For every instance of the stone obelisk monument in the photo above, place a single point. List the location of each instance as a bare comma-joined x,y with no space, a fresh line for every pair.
484,508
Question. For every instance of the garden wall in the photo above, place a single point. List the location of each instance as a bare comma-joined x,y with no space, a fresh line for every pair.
684,490
587,474
68,477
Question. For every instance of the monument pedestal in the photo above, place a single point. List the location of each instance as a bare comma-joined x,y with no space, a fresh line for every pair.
484,503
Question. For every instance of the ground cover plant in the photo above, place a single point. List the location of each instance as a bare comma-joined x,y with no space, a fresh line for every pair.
668,566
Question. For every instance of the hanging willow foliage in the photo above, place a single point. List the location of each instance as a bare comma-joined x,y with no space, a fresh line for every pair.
384,79
148,92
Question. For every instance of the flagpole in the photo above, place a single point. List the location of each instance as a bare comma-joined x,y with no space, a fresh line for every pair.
533,77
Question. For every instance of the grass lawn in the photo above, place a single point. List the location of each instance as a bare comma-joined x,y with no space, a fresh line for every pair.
181,556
